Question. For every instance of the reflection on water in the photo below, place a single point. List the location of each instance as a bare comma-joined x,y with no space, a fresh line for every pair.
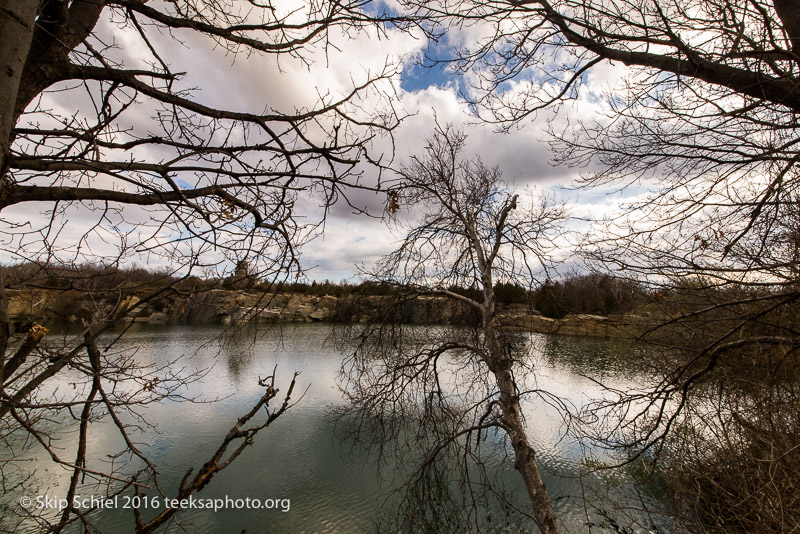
330,487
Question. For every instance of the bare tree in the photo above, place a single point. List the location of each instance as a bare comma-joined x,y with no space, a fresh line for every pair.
451,386
703,123
96,124
218,176
705,115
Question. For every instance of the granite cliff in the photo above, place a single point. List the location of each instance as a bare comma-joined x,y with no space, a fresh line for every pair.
224,306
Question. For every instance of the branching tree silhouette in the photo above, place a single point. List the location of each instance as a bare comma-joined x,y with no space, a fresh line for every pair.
467,231
97,125
705,114
703,123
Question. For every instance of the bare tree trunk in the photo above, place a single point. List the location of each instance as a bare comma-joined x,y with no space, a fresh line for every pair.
524,455
500,364
789,13
17,18
470,230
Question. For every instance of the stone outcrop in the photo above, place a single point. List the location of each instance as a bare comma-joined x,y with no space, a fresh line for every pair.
576,325
420,310
227,306
203,307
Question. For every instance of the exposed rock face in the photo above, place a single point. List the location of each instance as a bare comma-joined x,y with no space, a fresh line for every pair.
577,325
25,305
421,310
203,307
223,306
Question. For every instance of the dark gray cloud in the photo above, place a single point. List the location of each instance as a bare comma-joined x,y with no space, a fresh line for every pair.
261,82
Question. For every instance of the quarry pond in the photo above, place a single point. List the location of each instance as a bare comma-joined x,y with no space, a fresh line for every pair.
301,474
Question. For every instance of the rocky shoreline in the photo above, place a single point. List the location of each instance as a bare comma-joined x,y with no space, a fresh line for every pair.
226,307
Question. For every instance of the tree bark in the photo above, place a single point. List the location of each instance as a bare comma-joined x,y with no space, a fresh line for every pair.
524,454
500,364
60,28
17,21
789,13
756,84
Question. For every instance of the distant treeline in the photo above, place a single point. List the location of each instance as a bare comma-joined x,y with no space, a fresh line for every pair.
84,277
87,277
593,293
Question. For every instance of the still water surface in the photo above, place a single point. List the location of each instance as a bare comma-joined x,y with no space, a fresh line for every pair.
330,487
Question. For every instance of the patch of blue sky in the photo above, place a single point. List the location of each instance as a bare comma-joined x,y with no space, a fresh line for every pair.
381,9
183,184
612,195
418,77
431,68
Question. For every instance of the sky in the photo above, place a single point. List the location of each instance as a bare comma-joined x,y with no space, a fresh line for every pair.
523,155
424,95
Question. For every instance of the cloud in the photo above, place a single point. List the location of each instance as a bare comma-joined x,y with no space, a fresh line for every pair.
345,244
260,82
